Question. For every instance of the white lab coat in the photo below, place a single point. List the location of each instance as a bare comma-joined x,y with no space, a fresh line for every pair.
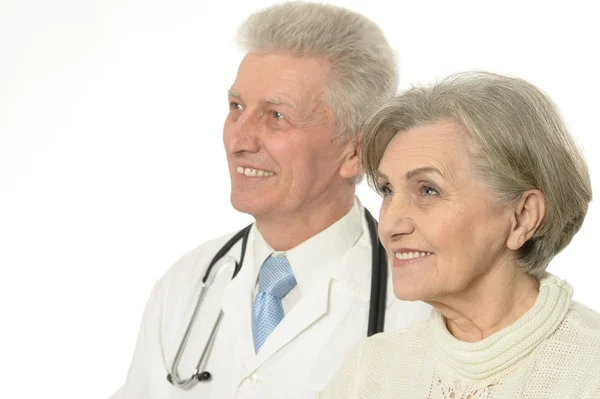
298,359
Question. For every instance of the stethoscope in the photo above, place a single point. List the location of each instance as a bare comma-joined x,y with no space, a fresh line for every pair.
376,307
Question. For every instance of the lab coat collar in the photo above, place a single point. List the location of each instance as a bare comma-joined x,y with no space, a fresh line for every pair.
357,276
314,258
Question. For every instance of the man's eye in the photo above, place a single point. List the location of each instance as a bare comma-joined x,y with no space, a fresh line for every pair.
235,106
277,115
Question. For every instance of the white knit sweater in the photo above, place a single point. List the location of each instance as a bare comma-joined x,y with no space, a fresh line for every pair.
552,351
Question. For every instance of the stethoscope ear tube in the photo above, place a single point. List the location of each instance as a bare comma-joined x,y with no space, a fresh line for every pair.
378,279
238,266
242,234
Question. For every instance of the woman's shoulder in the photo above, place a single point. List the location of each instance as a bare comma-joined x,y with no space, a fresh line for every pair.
574,350
577,339
583,321
404,341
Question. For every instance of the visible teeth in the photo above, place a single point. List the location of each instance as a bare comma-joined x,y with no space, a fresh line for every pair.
411,255
253,172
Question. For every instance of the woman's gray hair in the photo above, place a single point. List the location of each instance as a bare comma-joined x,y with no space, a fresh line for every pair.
521,143
362,65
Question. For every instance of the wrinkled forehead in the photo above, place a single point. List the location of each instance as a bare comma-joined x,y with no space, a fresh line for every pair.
279,78
443,146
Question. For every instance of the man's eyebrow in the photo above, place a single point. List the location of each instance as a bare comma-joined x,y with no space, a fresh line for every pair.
276,101
265,100
234,94
425,169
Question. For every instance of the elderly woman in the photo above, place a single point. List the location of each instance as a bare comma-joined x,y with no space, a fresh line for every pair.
482,186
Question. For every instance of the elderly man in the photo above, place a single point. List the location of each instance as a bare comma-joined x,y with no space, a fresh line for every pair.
300,303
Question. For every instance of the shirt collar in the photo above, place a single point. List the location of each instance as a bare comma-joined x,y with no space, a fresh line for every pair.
315,256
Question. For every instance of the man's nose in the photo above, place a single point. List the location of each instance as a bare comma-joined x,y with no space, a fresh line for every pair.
242,135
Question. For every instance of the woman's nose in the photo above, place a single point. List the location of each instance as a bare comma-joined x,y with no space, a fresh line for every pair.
395,220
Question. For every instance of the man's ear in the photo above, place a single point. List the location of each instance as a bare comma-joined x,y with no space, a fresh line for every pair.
350,160
526,219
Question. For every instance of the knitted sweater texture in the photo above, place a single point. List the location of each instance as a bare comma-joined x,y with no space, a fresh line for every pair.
552,351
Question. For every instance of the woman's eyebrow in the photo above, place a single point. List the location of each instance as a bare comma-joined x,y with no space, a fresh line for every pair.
379,174
424,169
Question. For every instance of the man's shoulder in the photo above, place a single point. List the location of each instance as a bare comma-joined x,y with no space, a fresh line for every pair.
207,249
193,264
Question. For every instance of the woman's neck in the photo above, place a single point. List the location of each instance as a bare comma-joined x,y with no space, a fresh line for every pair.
490,303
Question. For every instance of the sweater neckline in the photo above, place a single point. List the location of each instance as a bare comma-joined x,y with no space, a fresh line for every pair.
504,348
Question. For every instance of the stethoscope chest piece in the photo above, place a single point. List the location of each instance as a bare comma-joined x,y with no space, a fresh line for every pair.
202,377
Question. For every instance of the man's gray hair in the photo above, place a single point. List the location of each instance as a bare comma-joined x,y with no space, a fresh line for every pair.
521,143
362,65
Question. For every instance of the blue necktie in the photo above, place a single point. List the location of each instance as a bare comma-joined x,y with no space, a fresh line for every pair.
275,280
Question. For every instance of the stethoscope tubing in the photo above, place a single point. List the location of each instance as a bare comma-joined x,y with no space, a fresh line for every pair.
379,275
377,307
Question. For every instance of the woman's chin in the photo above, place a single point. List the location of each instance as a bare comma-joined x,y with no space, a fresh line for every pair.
411,284
408,293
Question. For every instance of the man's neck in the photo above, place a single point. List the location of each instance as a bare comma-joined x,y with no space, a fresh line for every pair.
284,232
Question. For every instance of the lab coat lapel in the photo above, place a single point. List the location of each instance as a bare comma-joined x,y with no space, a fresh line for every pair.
237,308
311,308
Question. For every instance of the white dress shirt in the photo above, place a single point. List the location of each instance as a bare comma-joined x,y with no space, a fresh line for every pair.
306,258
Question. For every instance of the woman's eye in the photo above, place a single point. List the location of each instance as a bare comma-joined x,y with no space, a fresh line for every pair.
385,191
429,191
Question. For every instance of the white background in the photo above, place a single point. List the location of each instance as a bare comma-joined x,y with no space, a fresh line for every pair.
111,162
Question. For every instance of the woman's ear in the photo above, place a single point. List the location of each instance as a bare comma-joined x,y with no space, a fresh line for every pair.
527,217
350,161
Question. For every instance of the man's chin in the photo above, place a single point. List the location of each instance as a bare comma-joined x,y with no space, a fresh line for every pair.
253,207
